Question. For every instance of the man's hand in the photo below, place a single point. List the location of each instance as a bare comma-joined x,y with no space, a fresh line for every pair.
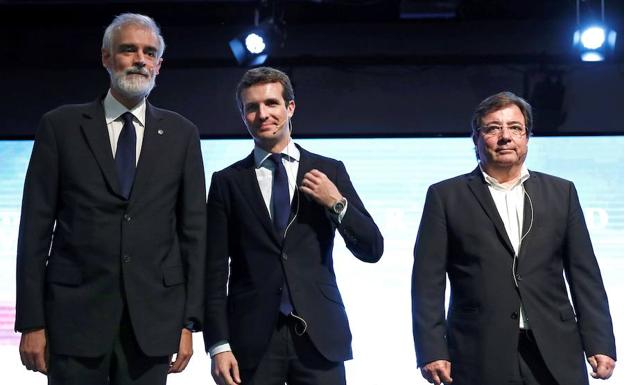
185,351
602,365
33,350
437,372
318,186
225,369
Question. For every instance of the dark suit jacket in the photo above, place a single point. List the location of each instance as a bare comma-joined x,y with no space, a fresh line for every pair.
147,251
240,231
461,234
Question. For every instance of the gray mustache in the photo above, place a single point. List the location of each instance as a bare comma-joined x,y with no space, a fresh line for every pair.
136,70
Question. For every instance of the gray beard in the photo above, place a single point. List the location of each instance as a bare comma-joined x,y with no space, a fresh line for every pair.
132,86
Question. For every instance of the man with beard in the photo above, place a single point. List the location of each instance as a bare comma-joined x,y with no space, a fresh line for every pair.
112,234
505,237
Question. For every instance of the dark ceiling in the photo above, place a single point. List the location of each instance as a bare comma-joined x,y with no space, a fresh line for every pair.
50,12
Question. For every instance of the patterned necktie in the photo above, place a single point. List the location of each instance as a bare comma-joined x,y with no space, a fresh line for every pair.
125,156
280,198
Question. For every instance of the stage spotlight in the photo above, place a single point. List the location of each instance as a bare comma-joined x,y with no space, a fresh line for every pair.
594,40
593,37
255,43
251,48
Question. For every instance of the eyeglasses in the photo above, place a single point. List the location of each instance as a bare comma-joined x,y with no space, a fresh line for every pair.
516,130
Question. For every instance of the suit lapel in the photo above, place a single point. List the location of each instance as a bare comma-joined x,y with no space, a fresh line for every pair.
154,141
480,190
94,128
253,195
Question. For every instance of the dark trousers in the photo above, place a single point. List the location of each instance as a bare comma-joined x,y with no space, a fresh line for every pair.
293,359
532,369
125,365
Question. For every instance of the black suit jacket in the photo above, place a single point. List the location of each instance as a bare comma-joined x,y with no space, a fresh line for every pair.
84,250
240,231
461,234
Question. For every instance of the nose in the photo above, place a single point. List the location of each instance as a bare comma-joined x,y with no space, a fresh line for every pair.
505,133
263,112
139,59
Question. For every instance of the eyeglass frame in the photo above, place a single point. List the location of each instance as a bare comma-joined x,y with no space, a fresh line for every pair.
496,129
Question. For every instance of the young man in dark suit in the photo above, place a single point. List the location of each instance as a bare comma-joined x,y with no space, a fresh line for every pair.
505,236
276,316
112,235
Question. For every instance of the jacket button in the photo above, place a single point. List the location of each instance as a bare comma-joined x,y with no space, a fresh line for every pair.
127,217
518,277
125,258
284,256
514,315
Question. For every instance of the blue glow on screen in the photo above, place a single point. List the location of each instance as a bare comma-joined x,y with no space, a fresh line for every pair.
391,176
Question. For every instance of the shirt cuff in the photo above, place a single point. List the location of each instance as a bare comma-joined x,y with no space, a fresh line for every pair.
219,347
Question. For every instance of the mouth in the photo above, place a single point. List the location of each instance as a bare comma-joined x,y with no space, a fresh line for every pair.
143,73
137,74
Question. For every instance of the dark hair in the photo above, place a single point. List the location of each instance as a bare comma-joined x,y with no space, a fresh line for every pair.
499,101
262,75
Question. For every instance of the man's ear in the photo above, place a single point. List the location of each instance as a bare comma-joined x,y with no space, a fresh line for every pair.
291,108
106,59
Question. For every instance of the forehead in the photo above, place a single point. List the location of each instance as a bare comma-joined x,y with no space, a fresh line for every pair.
135,34
262,91
508,113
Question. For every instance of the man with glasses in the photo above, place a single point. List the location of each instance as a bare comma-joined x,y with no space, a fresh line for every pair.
505,236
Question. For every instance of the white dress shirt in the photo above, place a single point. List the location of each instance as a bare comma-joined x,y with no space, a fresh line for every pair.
113,111
509,200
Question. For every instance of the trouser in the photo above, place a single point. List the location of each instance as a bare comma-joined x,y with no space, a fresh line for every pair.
293,359
126,364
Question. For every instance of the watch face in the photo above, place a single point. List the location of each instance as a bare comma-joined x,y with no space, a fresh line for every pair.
338,206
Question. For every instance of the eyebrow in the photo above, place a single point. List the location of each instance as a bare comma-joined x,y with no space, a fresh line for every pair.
498,122
132,45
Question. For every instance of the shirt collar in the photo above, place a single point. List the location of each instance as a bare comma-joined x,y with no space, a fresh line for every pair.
113,109
291,153
491,181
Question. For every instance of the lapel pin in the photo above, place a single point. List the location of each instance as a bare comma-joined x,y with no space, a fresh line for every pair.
160,132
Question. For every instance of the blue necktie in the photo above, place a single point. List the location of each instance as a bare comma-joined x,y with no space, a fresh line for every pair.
125,156
280,198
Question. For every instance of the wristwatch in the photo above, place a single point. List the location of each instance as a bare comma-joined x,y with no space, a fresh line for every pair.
339,206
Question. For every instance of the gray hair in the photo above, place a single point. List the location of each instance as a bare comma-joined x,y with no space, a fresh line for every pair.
136,19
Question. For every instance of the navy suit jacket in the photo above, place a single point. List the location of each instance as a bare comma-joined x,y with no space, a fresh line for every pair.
85,252
462,235
240,232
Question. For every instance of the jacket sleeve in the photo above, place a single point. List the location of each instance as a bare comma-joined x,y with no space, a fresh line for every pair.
39,205
586,286
360,233
429,283
191,224
217,266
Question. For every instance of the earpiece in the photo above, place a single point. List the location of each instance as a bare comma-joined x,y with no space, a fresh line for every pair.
515,259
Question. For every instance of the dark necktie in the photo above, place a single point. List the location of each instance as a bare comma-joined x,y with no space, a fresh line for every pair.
280,198
125,156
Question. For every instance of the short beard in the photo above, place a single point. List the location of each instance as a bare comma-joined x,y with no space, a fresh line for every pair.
133,86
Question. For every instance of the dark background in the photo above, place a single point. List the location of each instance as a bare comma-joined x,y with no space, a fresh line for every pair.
360,68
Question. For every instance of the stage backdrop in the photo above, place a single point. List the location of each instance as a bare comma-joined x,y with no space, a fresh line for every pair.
391,176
